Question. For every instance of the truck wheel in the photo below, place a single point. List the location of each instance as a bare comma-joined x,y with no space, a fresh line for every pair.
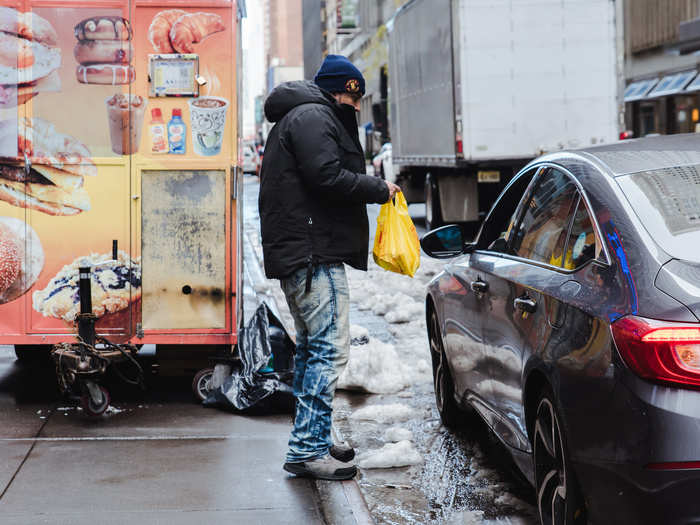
433,215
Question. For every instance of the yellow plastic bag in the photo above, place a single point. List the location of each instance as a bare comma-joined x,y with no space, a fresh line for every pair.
396,245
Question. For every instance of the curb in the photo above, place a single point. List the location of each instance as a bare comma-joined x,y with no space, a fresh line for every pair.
342,503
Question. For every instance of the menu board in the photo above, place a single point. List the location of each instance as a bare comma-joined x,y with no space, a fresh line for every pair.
173,75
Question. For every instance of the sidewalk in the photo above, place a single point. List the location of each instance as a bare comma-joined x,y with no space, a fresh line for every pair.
154,458
162,462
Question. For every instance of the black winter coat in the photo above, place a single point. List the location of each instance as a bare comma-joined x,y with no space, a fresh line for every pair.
313,191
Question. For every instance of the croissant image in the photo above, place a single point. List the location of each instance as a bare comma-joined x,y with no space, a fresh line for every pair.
159,30
191,28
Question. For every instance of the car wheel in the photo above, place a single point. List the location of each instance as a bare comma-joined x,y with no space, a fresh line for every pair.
442,378
433,215
559,501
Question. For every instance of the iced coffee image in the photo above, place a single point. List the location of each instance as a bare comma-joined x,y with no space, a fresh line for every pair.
125,114
208,122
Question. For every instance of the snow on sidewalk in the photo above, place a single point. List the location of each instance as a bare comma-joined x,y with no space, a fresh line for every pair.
401,454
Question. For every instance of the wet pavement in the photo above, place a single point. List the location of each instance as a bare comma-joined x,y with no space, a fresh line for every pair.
154,457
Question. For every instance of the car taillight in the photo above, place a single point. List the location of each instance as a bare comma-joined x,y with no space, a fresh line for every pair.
624,135
660,351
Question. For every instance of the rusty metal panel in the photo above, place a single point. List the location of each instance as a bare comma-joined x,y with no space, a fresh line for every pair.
183,249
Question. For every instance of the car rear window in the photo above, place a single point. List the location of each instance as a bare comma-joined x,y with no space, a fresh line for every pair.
667,201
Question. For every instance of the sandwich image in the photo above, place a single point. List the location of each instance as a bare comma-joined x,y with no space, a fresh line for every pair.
115,286
29,57
21,258
58,163
176,31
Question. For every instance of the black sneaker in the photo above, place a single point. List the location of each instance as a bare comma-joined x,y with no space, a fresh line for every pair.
325,467
342,452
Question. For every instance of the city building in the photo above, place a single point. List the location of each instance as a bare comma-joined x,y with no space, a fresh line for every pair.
662,94
284,50
314,17
359,31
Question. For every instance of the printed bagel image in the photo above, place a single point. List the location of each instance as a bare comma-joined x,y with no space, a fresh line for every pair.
104,51
176,31
116,285
29,57
54,182
21,258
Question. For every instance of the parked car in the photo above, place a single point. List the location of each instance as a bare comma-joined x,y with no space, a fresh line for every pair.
383,166
250,159
571,327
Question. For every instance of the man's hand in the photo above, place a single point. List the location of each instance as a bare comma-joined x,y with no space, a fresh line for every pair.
393,188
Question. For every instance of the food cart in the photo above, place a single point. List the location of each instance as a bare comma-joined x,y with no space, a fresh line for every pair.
118,152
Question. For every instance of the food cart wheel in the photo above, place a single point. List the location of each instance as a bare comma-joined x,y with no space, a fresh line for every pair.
93,408
200,383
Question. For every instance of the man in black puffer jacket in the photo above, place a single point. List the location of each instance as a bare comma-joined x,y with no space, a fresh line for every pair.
313,196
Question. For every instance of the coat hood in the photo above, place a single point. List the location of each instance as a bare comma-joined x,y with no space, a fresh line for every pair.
289,95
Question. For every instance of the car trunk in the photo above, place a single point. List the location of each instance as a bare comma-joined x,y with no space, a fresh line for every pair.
681,280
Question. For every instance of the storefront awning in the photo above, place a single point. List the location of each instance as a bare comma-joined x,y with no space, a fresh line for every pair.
672,84
639,90
694,85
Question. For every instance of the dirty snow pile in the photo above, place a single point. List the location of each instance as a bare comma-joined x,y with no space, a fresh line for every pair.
395,434
401,454
378,368
398,451
392,413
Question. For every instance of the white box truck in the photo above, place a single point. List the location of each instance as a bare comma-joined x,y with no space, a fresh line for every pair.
481,87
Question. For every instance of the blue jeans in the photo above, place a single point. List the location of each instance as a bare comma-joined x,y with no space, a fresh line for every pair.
322,321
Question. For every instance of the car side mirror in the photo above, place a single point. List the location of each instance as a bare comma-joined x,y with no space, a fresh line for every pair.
444,242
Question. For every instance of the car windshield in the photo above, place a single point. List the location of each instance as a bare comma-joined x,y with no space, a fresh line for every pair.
667,201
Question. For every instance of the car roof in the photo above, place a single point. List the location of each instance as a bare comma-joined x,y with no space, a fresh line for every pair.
635,155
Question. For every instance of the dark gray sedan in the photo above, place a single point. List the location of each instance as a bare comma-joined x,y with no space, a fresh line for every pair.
571,327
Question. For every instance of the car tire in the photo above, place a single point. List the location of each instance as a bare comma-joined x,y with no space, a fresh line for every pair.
442,378
433,213
558,496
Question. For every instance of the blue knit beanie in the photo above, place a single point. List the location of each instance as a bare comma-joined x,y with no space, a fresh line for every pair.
338,75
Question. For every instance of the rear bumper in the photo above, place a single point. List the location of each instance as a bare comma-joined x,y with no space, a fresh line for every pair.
626,494
645,424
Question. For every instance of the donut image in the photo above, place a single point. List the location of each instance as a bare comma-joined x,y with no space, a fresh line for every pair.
21,258
103,28
108,74
103,52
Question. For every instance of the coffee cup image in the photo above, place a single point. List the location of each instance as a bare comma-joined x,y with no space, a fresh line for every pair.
207,124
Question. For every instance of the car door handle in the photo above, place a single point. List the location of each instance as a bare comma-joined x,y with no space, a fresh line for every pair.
480,286
525,304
